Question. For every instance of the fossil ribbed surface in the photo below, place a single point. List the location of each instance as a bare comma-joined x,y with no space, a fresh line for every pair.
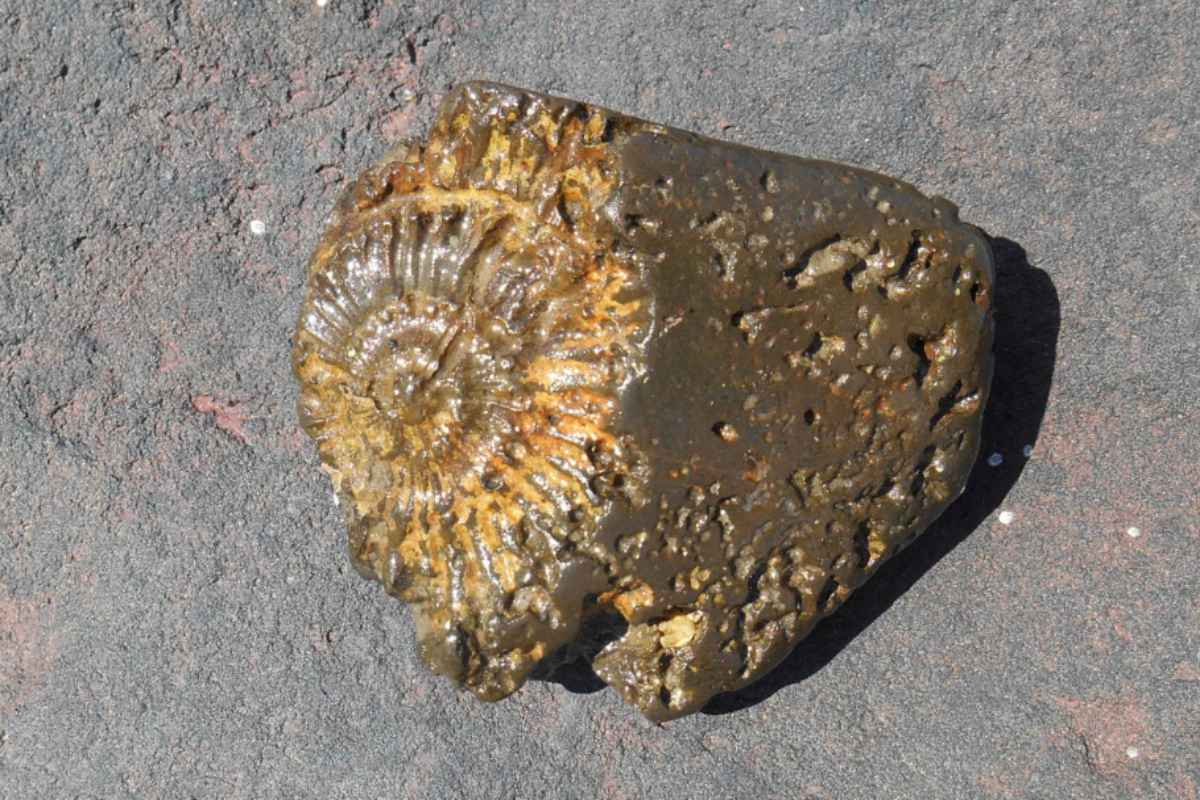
592,388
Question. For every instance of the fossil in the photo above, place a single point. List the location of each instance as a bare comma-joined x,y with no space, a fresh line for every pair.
588,387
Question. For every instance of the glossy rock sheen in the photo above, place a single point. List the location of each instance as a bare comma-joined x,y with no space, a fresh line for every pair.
589,387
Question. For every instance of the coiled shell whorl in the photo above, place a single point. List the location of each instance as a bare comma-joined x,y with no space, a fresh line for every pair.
466,331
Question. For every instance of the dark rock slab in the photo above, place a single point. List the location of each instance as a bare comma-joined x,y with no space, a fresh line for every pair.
589,387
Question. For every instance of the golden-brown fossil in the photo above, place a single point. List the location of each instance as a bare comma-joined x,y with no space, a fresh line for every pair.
589,387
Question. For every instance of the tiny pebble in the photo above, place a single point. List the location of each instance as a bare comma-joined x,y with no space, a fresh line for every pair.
995,460
322,3
1133,532
258,227
1132,752
726,431
1006,517
1027,450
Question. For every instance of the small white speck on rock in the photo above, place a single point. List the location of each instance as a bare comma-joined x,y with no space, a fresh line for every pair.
258,227
1027,450
322,3
995,459
1006,517
1132,752
1133,532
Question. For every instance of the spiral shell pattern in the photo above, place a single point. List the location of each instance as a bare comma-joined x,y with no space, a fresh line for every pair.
465,335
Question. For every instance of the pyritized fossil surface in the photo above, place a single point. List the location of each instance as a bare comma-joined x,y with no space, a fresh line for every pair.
590,387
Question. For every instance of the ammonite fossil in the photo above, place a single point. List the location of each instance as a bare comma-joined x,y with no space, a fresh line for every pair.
592,388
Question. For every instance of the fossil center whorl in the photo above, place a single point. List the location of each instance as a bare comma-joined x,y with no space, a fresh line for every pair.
439,374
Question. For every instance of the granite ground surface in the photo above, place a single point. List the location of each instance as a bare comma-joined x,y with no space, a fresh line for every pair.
178,618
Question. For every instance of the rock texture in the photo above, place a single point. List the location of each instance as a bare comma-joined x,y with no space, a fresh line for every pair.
592,388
